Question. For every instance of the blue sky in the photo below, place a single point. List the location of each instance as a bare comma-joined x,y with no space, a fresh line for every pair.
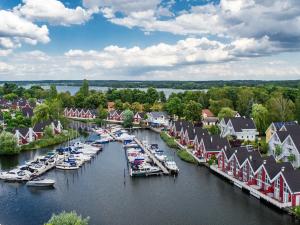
149,40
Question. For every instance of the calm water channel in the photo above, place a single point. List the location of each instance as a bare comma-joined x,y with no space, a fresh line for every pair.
100,191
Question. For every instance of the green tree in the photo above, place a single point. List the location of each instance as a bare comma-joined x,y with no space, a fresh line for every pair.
8,144
192,111
214,130
152,95
162,96
128,118
84,89
41,112
48,131
216,105
102,112
244,101
10,96
278,150
136,107
297,106
281,109
226,112
52,92
260,116
174,106
291,158
65,218
119,104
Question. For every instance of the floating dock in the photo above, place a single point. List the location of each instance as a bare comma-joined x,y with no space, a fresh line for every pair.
154,159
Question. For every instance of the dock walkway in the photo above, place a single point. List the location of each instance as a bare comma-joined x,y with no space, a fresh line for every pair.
155,160
256,193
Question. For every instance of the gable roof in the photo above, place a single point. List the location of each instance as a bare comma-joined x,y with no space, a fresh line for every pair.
240,123
215,143
159,114
207,112
293,179
279,125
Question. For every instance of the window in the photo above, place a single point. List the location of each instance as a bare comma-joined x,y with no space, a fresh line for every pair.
277,183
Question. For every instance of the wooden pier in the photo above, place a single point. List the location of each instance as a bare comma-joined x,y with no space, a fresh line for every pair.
155,160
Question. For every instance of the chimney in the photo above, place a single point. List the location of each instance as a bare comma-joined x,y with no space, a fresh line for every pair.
235,151
225,147
282,168
265,161
211,139
250,157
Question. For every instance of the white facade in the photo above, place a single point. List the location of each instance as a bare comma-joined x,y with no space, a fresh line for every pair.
288,148
244,134
160,119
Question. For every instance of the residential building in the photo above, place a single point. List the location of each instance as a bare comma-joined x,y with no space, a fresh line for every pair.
239,127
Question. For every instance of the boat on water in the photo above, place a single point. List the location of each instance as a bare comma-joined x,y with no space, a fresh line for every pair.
16,175
67,165
39,182
101,141
145,170
171,166
160,157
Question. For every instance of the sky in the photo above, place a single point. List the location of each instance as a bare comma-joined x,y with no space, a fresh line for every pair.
149,39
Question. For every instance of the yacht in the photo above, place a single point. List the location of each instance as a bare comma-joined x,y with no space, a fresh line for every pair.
171,166
145,170
16,175
160,157
39,182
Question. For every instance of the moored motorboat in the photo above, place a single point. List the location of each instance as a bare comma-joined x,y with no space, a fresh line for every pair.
171,166
39,182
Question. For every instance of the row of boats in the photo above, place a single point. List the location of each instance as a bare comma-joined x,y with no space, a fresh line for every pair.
140,162
65,158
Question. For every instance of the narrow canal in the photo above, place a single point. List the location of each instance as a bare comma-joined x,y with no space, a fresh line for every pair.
100,191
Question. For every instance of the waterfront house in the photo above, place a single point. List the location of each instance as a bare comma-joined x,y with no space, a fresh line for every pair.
158,119
139,116
76,113
211,145
239,127
278,181
177,128
116,115
27,135
276,126
192,134
288,140
183,135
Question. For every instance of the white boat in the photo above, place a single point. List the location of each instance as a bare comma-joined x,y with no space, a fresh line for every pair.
16,175
161,157
41,183
145,170
67,166
171,166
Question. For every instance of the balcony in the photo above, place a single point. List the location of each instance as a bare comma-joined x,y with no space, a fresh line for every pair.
254,190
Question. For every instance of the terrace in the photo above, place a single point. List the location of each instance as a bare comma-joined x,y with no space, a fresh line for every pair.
254,190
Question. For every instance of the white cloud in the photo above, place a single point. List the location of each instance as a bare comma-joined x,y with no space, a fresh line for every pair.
235,19
4,67
53,12
15,29
27,65
123,6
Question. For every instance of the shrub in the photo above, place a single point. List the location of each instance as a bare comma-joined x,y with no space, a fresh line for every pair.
169,140
185,156
65,218
8,144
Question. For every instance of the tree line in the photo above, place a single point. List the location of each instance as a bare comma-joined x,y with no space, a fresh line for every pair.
265,104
